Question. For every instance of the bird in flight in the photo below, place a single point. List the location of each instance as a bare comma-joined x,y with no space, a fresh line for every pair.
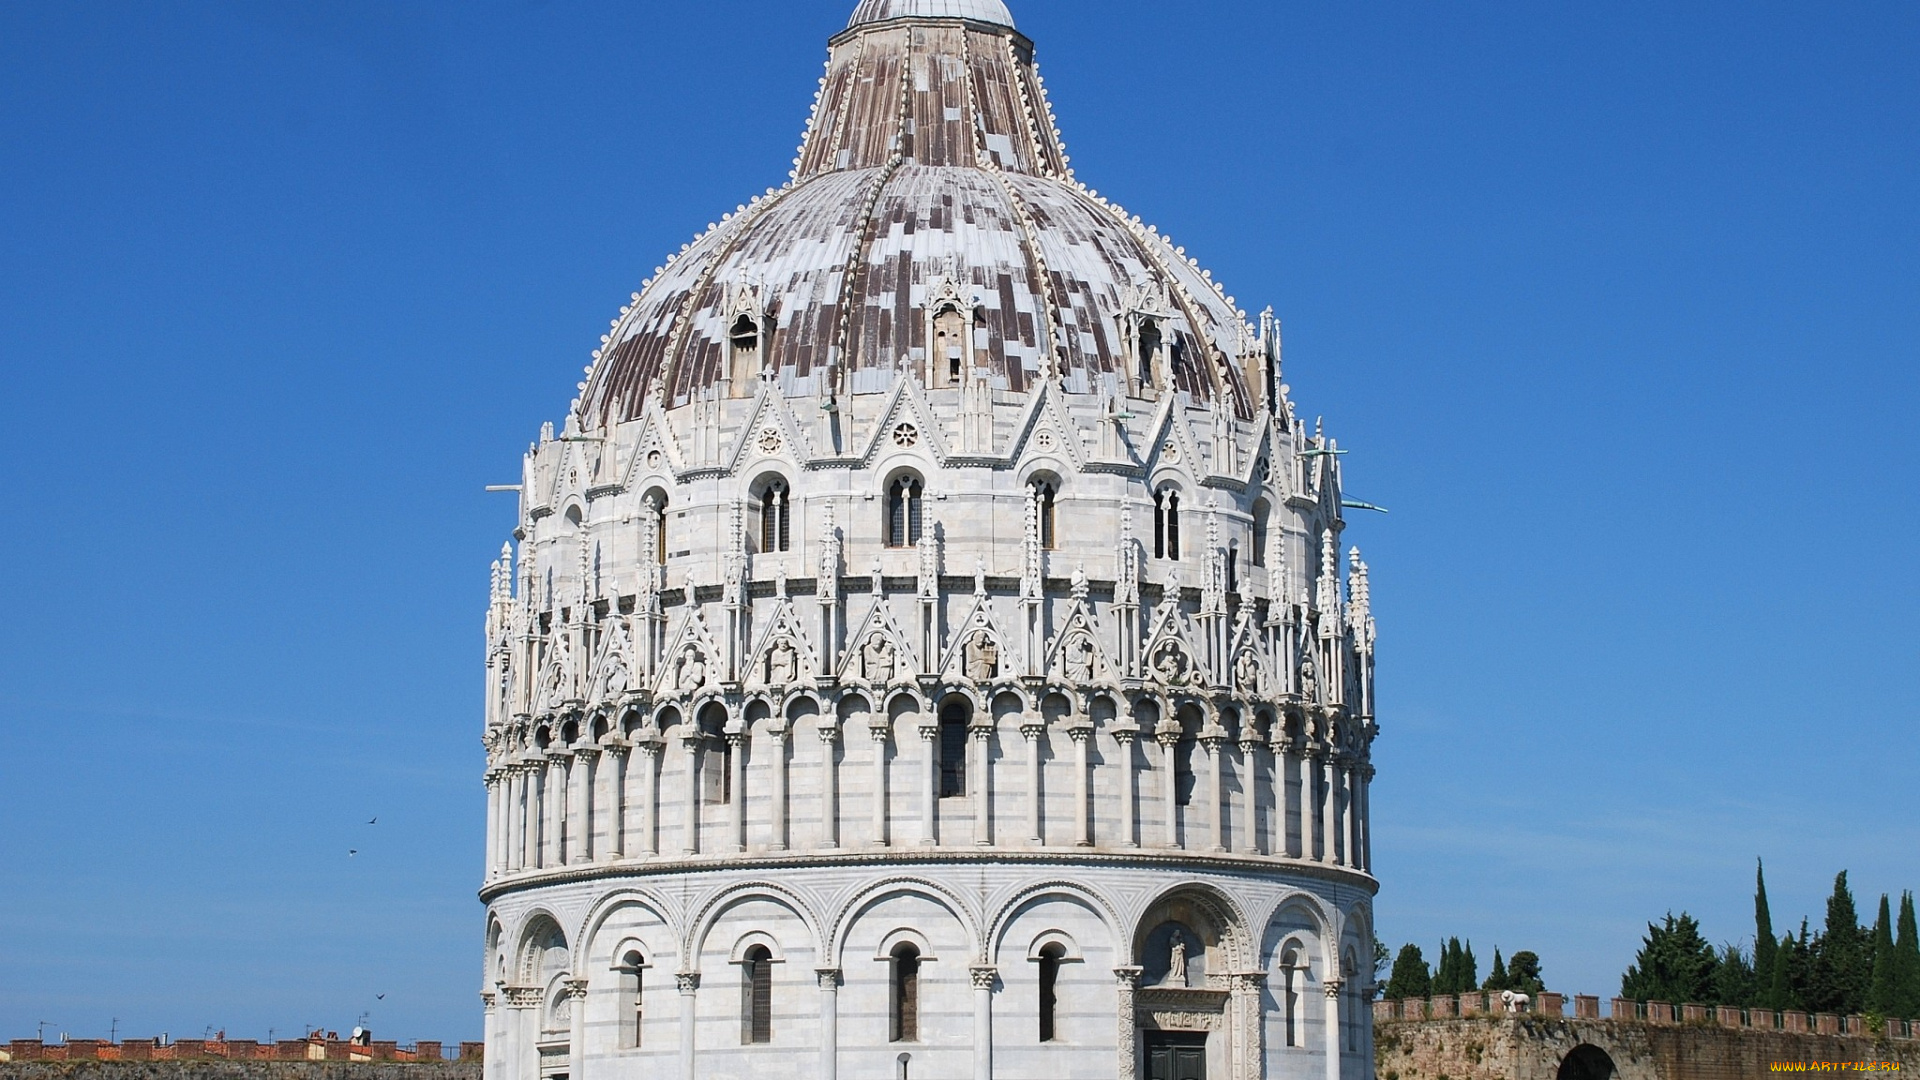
351,852
379,997
373,821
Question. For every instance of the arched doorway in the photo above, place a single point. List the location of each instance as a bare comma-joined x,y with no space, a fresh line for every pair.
1586,1062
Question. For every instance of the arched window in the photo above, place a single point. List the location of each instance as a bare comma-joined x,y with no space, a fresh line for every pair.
1043,493
657,523
1149,352
953,751
1292,975
1233,568
756,991
905,1011
1050,957
1261,512
1166,524
951,344
629,970
904,511
1183,777
774,531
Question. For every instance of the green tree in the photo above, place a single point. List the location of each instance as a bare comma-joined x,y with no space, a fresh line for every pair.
1733,978
1765,945
1381,957
1523,971
1469,970
1907,947
1842,957
1883,988
1674,964
1780,993
1497,978
1410,978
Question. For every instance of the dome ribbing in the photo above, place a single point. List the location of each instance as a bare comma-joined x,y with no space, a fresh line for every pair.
986,11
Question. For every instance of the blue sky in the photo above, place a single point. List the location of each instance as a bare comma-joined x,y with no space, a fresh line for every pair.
1616,306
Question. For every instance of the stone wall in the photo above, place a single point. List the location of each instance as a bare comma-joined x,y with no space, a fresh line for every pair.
1537,1047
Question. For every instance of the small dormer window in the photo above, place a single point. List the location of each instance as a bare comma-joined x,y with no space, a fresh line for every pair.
743,345
1149,353
951,344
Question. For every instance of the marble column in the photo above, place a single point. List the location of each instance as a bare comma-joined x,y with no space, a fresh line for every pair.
554,809
1366,818
1335,811
1082,735
616,800
983,1022
829,796
737,788
577,1029
690,805
580,847
1250,793
650,751
929,781
1170,782
688,983
1278,752
829,981
982,741
1246,997
877,730
494,803
1125,1039
1129,809
1332,988
1329,825
528,810
779,731
1031,729
1215,745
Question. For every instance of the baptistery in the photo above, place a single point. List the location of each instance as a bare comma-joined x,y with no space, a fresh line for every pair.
927,647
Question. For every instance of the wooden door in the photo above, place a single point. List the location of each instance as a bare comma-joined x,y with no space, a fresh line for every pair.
1176,1055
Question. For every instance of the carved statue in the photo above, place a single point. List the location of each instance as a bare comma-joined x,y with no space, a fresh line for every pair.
1309,684
1515,1003
691,673
1077,659
616,679
1170,663
1247,673
983,657
782,663
1177,960
877,660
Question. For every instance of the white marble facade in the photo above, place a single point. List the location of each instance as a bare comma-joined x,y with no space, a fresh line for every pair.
929,650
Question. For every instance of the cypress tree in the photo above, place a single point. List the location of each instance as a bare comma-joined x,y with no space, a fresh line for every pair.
1764,943
1883,990
1907,947
1497,979
1410,978
1842,957
1780,993
1469,969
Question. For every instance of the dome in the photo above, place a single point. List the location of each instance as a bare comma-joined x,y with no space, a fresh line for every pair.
931,162
985,11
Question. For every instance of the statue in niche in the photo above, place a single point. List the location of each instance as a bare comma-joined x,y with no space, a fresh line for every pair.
982,657
1309,683
877,660
1171,664
1247,672
783,663
616,679
1077,659
691,673
1177,960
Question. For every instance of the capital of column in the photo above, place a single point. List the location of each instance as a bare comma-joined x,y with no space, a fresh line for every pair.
736,739
983,976
687,981
980,732
828,978
929,732
1032,727
558,757
586,753
1250,747
879,731
617,749
1332,988
1281,744
829,733
1129,975
576,988
1080,733
1247,980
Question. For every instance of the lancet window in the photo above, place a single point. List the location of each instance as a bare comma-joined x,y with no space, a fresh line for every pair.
953,751
904,511
1166,524
756,989
1049,965
1043,497
775,531
904,1013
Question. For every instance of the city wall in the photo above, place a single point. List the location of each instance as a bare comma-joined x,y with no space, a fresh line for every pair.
1469,1037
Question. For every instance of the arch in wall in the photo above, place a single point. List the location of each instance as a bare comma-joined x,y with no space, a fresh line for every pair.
881,891
716,908
1305,918
1586,1062
903,513
542,952
1216,917
654,909
1024,901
